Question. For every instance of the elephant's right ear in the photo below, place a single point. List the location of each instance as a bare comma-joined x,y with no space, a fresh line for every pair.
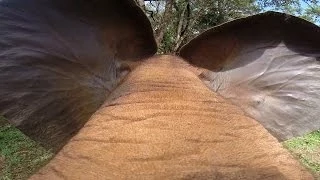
267,64
60,59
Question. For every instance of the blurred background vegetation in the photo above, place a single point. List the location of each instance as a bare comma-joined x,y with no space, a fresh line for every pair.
175,22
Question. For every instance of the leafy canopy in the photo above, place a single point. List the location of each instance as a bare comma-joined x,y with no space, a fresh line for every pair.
177,21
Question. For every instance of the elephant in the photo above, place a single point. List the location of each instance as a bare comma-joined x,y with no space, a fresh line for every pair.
82,77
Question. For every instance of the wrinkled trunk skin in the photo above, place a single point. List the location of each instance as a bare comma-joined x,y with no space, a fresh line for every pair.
162,122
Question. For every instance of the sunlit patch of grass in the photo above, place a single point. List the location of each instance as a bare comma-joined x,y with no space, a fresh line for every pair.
21,155
307,149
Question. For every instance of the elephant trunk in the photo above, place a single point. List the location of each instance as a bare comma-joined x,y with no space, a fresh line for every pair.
163,122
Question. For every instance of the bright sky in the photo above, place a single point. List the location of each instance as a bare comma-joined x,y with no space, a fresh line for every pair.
304,6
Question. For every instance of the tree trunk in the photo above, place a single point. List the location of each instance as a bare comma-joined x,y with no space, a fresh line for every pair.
163,22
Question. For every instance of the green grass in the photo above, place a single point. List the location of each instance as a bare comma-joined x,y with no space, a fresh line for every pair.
20,156
307,150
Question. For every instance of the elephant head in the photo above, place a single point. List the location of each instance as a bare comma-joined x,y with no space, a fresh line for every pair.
82,76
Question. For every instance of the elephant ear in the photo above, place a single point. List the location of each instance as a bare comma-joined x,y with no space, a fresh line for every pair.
267,64
59,60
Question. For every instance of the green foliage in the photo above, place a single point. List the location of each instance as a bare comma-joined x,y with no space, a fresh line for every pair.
189,18
307,9
178,21
21,156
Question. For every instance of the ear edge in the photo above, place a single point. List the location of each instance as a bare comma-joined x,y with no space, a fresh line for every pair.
292,42
138,45
281,23
92,89
134,17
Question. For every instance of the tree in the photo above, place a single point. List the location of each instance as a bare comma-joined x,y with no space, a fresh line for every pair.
307,9
177,21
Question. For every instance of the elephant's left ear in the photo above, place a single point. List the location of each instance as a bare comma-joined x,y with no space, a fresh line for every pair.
268,64
60,59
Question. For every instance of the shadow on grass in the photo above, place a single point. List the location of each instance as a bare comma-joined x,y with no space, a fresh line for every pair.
20,156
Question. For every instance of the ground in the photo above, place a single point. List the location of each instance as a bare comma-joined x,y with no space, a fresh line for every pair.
20,156
307,150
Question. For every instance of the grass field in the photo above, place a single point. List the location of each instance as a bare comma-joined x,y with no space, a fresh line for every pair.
307,150
21,156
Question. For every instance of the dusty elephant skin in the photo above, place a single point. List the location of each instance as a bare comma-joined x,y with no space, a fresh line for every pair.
218,113
163,122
